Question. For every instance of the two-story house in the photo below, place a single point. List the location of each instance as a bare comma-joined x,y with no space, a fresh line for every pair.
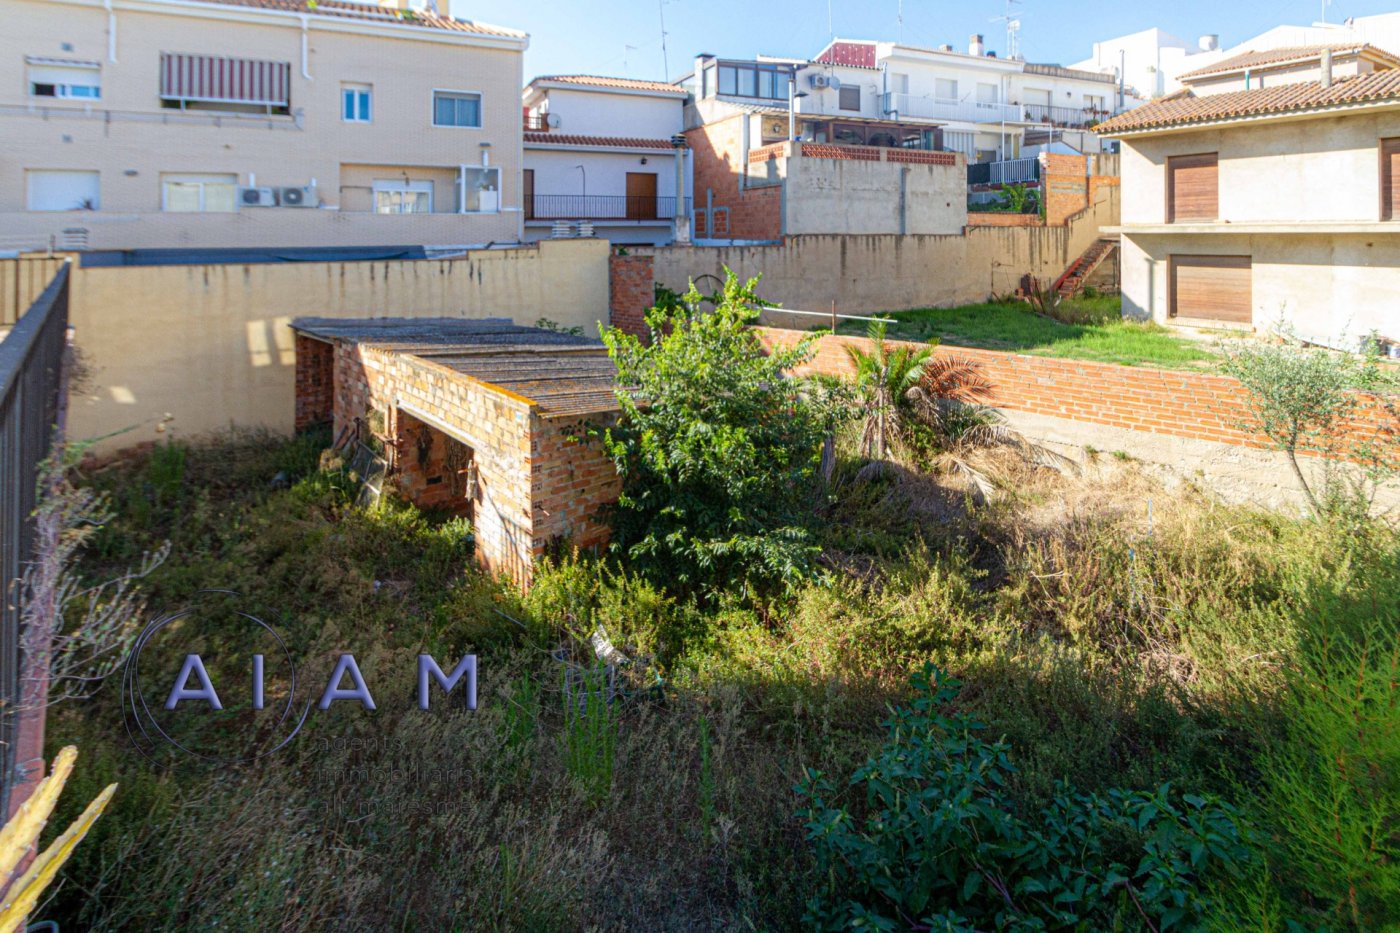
1267,192
240,123
605,156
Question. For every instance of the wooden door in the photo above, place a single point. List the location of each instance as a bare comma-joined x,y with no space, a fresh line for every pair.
527,192
1193,188
641,195
1390,179
1212,288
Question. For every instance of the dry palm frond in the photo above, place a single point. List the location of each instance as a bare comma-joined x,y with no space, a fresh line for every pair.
957,379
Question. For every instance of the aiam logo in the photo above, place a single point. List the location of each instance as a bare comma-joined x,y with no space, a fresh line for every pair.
187,715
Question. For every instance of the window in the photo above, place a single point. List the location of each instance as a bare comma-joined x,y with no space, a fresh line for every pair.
1390,179
456,108
65,80
1193,188
988,94
58,190
899,83
396,196
769,82
216,82
849,98
945,89
483,190
355,103
1212,288
206,194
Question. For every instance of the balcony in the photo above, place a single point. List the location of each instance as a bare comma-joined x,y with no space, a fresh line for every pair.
1066,117
951,111
618,207
536,123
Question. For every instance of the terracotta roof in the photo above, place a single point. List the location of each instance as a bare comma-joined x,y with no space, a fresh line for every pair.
615,142
371,12
1276,57
619,83
1185,108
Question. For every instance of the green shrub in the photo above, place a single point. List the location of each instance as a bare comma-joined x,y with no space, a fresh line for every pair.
941,846
718,449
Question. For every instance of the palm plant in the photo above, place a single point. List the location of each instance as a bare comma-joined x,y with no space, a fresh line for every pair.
888,378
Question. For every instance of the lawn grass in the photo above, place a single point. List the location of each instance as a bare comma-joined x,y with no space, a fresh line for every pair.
1014,328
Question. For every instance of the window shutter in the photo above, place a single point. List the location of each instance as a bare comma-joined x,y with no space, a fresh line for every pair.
1213,288
1193,188
1390,179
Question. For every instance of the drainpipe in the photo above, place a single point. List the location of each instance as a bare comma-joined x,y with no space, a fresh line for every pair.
903,200
305,50
462,188
111,32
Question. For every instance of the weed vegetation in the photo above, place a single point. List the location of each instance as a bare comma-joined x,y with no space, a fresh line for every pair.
1164,716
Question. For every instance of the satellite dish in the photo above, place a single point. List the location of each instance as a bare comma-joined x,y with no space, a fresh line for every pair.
835,83
552,121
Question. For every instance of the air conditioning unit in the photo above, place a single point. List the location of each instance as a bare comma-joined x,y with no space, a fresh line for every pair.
257,197
820,81
296,197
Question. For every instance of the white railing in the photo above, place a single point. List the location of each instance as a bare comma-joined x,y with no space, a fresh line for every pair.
955,111
1014,171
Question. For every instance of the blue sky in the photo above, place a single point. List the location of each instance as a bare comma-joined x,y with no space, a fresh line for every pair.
623,37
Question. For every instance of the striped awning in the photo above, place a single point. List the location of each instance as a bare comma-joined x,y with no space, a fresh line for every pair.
217,79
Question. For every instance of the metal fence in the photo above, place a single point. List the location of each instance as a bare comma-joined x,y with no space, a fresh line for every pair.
31,389
600,207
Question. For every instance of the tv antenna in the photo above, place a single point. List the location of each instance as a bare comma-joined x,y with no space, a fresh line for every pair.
665,62
1325,5
1013,28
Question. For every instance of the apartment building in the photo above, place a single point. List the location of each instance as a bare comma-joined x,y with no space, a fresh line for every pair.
268,123
782,147
1266,194
604,157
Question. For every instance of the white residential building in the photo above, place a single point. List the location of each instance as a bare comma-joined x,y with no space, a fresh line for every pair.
603,154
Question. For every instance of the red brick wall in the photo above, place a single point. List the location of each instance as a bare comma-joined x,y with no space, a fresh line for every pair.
1003,220
315,382
538,481
1202,406
717,154
631,292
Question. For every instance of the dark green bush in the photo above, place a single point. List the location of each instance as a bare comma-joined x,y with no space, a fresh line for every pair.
941,845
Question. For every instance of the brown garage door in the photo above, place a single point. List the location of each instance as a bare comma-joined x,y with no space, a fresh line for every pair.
1193,188
1215,288
1390,179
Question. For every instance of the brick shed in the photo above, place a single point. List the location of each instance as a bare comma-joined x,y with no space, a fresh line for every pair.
483,418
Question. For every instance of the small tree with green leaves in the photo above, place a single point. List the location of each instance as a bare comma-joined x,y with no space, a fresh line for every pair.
886,377
718,448
1297,398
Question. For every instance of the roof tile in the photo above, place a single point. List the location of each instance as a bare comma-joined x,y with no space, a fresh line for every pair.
618,83
1185,108
618,142
1301,53
374,13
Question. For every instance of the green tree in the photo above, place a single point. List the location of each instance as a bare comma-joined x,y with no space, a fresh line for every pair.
1297,397
718,448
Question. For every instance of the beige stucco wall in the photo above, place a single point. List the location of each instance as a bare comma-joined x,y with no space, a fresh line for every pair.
1329,288
862,274
131,140
1331,285
849,196
1291,171
210,345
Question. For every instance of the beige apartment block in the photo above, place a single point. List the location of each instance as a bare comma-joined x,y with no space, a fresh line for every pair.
256,123
1268,208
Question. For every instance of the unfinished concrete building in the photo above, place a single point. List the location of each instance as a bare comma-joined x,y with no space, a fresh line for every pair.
483,418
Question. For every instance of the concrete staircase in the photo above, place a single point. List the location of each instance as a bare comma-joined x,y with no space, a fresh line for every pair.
1086,265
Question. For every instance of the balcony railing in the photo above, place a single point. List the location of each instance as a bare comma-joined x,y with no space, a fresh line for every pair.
536,123
1068,117
600,207
953,111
